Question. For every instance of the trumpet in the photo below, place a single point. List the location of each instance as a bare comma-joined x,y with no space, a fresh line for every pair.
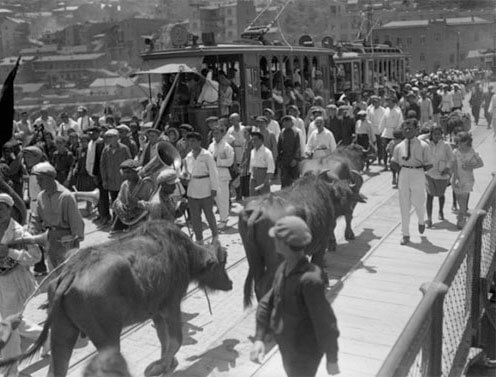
39,239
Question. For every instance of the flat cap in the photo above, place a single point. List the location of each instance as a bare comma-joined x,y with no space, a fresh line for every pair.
153,130
268,110
331,106
212,119
92,129
130,164
185,126
362,112
111,132
123,127
287,117
82,108
316,109
167,176
44,168
375,98
7,199
261,118
33,150
194,135
292,230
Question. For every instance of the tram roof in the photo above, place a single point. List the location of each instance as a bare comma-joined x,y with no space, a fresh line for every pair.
233,49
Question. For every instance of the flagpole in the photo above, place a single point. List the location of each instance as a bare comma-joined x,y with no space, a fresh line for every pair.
166,100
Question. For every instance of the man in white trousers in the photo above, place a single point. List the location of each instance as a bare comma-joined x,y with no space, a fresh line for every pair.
223,155
413,158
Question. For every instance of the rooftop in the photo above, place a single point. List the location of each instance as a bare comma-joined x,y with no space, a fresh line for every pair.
448,21
63,58
112,81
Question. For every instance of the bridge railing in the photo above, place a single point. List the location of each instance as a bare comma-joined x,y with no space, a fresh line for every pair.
438,336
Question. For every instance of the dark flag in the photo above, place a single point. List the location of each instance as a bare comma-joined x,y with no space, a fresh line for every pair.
166,105
7,106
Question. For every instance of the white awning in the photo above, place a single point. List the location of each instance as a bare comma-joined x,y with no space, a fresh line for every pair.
189,64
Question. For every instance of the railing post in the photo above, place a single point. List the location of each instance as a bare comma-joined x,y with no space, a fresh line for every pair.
434,368
475,312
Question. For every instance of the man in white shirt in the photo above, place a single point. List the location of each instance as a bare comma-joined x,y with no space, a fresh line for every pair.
223,155
375,113
66,125
262,166
84,121
272,125
209,94
236,138
47,121
391,121
200,171
23,128
321,142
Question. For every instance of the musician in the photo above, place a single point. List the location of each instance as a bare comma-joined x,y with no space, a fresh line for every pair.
134,189
16,282
168,201
58,212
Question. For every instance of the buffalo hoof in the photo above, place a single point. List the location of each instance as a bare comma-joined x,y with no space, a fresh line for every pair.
349,235
160,367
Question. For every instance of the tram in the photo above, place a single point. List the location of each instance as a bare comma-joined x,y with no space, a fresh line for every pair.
268,76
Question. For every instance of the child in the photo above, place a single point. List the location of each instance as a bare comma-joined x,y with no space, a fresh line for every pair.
466,160
295,309
397,138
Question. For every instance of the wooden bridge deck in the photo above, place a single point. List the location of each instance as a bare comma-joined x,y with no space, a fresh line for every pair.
376,289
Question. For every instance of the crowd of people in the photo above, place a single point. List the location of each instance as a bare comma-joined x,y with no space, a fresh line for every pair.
418,131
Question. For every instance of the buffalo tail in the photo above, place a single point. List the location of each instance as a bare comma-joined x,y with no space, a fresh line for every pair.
63,283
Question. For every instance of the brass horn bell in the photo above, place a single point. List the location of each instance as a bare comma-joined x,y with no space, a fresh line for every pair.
90,196
167,157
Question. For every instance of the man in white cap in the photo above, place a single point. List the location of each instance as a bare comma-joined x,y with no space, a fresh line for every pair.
295,309
16,282
58,212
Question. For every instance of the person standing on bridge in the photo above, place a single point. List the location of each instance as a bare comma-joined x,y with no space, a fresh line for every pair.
412,156
295,309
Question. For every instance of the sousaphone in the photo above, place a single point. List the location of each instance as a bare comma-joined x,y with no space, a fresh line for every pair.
167,157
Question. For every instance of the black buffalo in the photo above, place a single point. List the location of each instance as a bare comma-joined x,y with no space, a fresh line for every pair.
142,275
318,198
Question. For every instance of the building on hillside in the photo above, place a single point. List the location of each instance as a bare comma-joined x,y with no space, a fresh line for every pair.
25,73
14,35
438,43
482,58
226,20
347,18
57,69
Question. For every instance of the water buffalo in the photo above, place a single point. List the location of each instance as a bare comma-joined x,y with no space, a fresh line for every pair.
342,166
138,276
318,198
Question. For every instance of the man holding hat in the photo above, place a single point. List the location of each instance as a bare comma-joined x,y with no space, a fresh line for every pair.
113,155
288,152
295,310
413,157
58,212
133,190
16,281
200,171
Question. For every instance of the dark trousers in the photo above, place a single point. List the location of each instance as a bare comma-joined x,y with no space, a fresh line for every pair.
244,185
476,112
385,141
196,206
103,203
381,150
288,175
297,364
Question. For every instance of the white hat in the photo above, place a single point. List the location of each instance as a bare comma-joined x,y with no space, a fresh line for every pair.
7,199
